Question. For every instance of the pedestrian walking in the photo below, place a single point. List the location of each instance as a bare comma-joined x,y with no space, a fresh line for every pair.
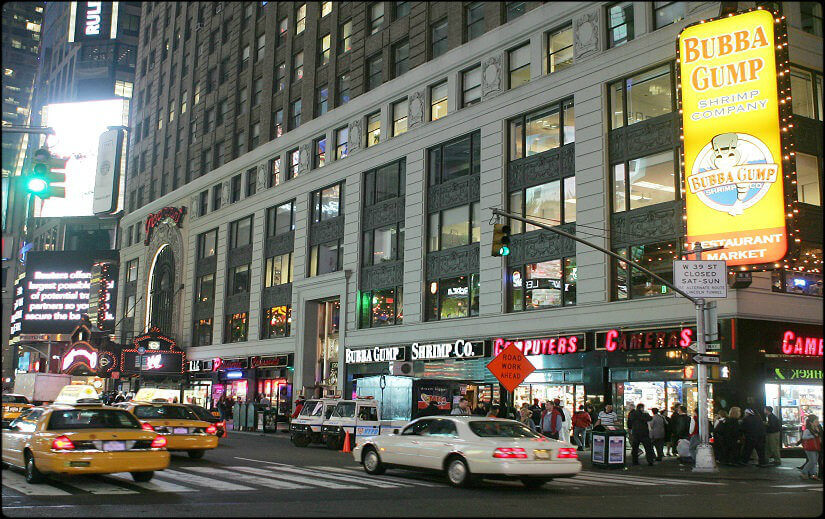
551,423
637,422
657,426
728,432
526,417
607,418
564,432
773,428
754,430
580,421
674,422
693,436
463,408
721,414
812,444
536,410
682,434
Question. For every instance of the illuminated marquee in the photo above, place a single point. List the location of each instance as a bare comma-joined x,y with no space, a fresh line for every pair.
801,345
733,141
613,340
546,346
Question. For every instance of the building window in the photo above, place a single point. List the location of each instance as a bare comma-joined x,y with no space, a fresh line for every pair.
438,101
326,257
216,196
320,147
474,16
471,86
383,244
298,66
242,99
277,319
300,18
327,203
373,129
806,89
554,202
202,333
642,96
343,89
374,65
454,227
399,117
454,159
513,10
237,327
278,270
401,57
519,66
274,172
666,13
402,9
542,130
811,17
278,121
294,162
257,94
245,52
207,244
376,16
235,189
546,284
280,219
451,298
808,175
645,181
619,24
345,36
205,289
261,47
559,49
631,283
240,233
380,308
438,37
282,31
237,280
204,202
322,100
131,270
256,134
324,50
384,183
797,282
280,77
326,8
296,114
130,307
251,181
341,138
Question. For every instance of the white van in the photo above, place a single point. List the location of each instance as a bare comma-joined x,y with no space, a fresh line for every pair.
306,428
360,417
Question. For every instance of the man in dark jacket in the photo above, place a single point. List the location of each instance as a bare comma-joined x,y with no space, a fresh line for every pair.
754,430
637,422
773,427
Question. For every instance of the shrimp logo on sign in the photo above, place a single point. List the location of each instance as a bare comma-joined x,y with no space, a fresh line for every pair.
733,172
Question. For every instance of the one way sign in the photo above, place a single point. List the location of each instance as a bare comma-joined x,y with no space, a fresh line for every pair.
706,359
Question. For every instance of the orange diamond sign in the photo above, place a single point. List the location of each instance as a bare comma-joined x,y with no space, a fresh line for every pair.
510,367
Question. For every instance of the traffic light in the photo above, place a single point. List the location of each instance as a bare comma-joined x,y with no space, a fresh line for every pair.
41,181
501,240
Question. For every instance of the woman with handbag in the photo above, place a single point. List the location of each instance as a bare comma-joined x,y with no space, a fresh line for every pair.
812,444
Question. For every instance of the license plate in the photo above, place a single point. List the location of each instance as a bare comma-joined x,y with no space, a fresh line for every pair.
180,430
13,409
542,454
114,446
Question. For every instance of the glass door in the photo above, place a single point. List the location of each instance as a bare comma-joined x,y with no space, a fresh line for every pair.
328,331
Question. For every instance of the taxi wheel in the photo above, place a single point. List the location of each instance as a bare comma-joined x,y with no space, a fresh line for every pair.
33,475
534,482
195,455
372,462
458,473
143,477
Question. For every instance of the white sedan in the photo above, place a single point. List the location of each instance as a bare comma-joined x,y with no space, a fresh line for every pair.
469,448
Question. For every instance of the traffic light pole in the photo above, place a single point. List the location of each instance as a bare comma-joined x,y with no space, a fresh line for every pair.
705,461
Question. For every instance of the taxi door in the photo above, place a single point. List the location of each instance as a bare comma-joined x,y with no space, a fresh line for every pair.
15,438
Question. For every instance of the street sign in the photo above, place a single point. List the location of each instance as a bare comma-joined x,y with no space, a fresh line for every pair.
510,367
706,359
709,346
702,279
141,350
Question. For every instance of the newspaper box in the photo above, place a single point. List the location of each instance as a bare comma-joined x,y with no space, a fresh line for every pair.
608,448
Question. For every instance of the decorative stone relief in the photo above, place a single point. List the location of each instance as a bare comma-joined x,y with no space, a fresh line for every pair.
541,245
541,168
453,193
206,265
239,256
453,262
645,225
383,275
279,244
644,138
203,310
236,303
416,109
194,207
326,231
303,165
168,234
225,194
262,176
586,35
277,295
354,142
491,77
383,213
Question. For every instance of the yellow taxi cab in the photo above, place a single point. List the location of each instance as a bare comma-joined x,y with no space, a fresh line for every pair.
82,438
179,424
13,405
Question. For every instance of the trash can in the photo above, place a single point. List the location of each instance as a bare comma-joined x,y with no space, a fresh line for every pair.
607,448
270,420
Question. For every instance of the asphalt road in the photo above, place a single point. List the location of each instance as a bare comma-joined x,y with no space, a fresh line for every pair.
255,475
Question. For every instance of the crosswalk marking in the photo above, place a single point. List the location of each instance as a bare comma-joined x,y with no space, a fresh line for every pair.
611,479
96,486
248,478
300,479
17,482
156,485
209,483
384,477
349,478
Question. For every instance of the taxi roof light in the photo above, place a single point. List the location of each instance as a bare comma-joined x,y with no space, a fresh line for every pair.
62,443
159,442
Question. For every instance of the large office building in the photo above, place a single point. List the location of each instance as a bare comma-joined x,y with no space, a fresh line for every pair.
310,185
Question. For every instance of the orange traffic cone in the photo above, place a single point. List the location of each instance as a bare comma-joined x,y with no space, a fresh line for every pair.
347,447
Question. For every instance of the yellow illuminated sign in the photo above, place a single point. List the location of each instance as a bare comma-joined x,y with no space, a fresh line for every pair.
734,182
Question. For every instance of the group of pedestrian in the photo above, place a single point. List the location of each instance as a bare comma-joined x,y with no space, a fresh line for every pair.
224,406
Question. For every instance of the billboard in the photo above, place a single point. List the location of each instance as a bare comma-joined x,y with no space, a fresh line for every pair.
733,163
92,21
56,290
107,175
78,127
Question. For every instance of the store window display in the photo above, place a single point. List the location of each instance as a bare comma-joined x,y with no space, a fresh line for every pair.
792,403
570,395
661,395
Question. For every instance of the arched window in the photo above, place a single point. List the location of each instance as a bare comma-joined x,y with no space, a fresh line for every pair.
162,291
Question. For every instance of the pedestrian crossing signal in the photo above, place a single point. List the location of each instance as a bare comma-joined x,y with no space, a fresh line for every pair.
501,240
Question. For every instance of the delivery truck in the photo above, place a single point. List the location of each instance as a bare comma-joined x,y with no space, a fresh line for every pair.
40,388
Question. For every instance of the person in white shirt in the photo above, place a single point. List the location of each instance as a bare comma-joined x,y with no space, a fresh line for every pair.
564,433
463,408
607,417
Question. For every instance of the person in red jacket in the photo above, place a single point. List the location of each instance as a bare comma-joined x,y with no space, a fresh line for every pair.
581,421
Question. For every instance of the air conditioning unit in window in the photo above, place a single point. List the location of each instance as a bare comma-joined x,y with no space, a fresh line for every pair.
401,368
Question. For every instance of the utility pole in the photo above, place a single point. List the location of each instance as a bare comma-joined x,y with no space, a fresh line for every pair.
705,461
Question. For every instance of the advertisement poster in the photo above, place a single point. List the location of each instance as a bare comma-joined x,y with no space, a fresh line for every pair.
598,448
615,452
434,392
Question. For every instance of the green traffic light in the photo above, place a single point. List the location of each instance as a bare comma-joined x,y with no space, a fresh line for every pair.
504,251
36,185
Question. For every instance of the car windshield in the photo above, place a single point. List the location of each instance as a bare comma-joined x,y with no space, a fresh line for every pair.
15,399
170,412
496,429
312,408
344,410
92,419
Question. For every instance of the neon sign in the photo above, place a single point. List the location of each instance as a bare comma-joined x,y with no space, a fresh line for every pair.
616,340
93,12
153,361
548,346
153,220
801,345
81,353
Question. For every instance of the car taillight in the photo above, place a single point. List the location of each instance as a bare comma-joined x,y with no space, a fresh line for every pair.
62,443
222,425
211,429
159,442
567,452
147,427
510,453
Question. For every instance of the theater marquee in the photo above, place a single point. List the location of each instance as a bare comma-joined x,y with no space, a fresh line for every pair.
731,101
